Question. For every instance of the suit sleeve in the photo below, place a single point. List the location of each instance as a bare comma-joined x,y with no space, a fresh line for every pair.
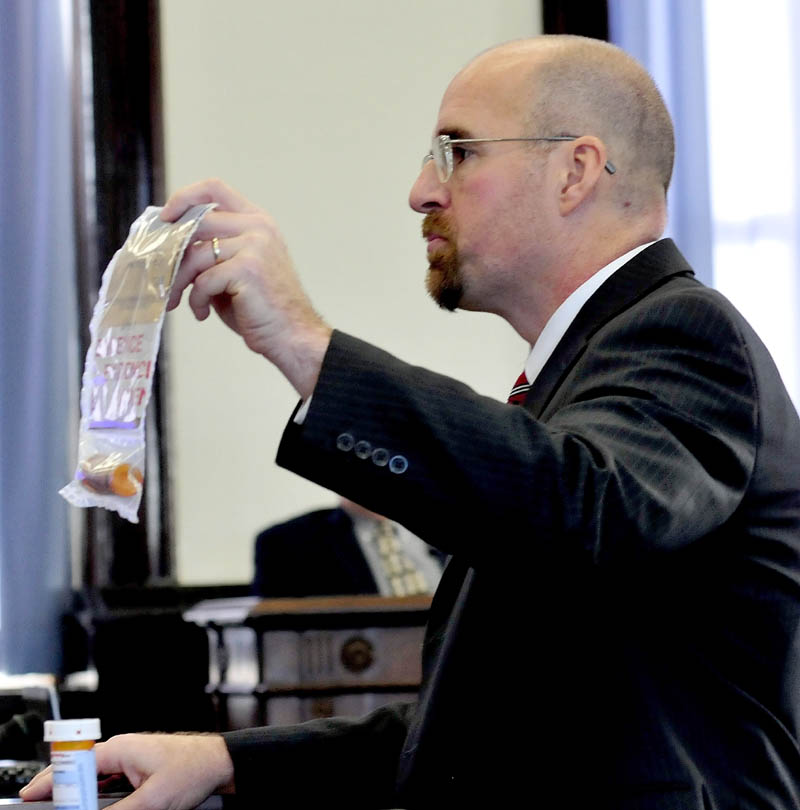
323,763
647,445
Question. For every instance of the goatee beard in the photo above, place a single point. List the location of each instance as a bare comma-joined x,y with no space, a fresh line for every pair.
443,282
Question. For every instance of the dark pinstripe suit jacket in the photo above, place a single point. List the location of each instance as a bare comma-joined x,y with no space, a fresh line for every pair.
618,626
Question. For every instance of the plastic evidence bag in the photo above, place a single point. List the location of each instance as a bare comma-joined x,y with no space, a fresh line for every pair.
118,375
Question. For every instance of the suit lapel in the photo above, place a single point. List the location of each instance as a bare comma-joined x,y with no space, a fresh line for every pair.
646,271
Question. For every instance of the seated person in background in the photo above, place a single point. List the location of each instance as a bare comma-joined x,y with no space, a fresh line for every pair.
344,550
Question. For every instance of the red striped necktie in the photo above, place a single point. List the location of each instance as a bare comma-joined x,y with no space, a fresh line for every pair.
519,391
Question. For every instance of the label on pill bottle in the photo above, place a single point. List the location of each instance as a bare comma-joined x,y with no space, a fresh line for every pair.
74,780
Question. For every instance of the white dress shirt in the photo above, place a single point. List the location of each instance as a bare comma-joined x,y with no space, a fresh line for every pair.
562,318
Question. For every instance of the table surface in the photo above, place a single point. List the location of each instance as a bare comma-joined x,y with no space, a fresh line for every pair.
104,800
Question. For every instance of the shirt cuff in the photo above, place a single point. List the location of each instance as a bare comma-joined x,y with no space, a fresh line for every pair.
302,412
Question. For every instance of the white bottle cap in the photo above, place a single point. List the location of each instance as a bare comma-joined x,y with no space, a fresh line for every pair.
69,730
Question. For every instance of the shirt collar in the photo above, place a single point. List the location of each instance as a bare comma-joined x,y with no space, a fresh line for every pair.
560,320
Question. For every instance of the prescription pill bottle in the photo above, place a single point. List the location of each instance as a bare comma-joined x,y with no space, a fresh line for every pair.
72,758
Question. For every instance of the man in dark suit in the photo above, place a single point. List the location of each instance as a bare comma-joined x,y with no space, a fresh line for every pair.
313,554
340,551
618,625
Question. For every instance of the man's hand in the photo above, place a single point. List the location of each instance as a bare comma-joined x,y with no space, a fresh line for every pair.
168,771
251,284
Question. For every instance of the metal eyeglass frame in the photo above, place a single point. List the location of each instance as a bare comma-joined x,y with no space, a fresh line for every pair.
441,151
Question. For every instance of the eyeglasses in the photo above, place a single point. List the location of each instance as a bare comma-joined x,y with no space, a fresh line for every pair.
441,152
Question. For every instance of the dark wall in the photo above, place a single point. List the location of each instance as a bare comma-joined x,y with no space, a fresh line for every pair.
588,18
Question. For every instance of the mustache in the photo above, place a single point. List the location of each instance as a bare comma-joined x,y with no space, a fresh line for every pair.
436,223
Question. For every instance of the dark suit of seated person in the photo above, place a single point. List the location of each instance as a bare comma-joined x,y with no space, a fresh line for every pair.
338,551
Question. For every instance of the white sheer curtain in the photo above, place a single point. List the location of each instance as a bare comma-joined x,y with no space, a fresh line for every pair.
754,102
666,36
728,72
37,329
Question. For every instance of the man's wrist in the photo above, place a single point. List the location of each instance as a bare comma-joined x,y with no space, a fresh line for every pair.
226,772
303,364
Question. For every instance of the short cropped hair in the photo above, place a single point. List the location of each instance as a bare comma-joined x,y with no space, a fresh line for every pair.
585,86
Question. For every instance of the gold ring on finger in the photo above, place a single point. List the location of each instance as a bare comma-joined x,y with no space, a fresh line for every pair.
215,250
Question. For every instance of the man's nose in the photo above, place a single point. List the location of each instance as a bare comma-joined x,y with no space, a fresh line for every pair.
428,193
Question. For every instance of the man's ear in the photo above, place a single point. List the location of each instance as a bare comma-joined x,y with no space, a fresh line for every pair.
585,160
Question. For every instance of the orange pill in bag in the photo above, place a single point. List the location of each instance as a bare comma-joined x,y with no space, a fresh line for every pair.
126,481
